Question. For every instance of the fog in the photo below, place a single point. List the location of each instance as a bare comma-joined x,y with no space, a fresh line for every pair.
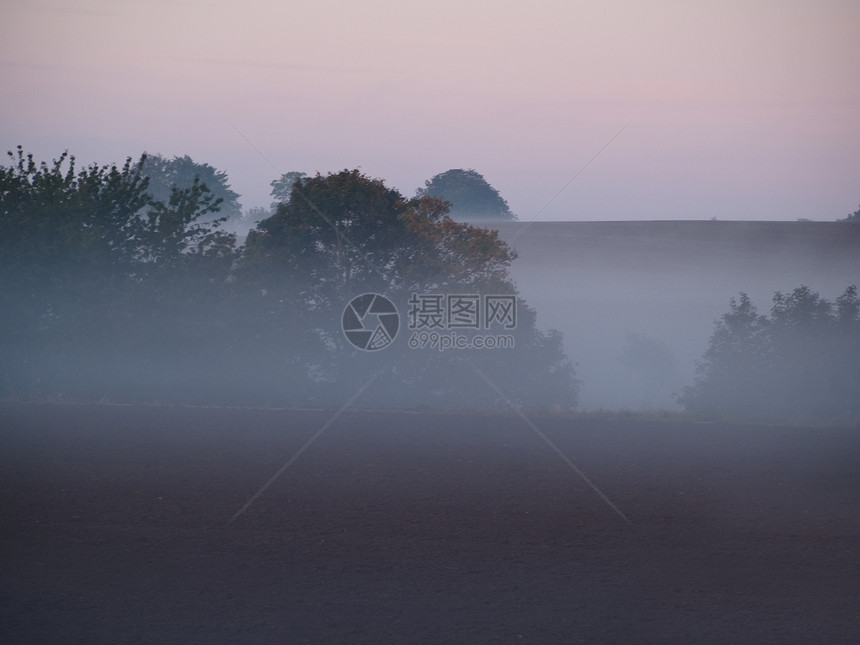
598,282
378,475
402,308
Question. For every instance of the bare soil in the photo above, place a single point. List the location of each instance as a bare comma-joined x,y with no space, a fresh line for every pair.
421,528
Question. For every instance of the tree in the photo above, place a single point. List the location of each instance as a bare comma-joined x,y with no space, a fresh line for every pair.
469,194
801,363
853,217
68,238
69,218
282,187
106,291
345,234
814,345
182,172
182,229
88,264
735,365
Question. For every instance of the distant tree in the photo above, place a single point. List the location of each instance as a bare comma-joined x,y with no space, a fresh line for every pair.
282,187
181,172
469,194
848,307
182,230
815,344
736,363
853,217
803,362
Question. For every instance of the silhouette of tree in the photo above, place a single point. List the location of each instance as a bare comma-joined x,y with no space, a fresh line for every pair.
88,263
282,187
182,172
343,235
107,291
800,363
853,217
469,194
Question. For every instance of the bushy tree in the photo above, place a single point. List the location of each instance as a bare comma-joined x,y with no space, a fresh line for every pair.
799,363
470,196
345,234
69,236
182,173
107,291
282,187
70,218
88,261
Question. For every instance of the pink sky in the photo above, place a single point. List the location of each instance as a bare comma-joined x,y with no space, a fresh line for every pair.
734,109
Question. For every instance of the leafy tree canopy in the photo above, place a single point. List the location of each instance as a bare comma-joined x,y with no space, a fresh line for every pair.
362,234
102,217
345,234
67,217
469,194
91,265
282,187
800,363
106,291
181,172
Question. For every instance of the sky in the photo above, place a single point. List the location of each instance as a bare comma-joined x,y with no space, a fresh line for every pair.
610,110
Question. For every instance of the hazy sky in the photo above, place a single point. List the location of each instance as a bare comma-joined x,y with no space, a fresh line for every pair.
744,109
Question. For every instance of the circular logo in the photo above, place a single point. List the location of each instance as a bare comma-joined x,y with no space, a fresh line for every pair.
370,322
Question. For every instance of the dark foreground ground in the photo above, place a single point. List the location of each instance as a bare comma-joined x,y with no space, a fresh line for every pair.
428,528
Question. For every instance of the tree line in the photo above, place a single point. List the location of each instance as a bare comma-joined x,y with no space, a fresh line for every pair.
117,283
123,283
801,363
